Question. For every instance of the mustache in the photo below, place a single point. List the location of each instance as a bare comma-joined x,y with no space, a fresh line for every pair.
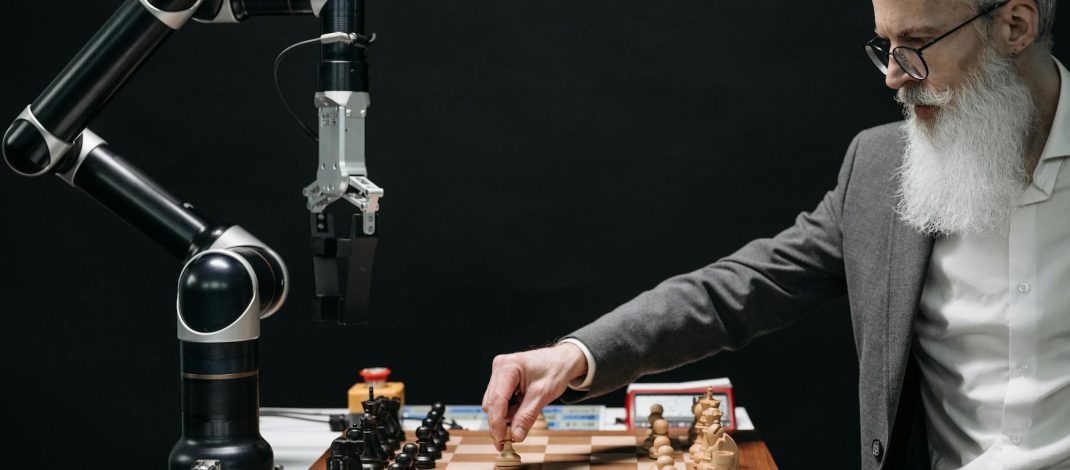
919,95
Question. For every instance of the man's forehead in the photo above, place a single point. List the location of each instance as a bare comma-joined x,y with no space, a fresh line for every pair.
900,18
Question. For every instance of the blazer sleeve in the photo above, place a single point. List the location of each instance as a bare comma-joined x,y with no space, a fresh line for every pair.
766,285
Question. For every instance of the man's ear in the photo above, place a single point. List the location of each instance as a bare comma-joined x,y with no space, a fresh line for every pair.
1018,26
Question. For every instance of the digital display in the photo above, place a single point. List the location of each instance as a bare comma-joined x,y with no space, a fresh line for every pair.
677,409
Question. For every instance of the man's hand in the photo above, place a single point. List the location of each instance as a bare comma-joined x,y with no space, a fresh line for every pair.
522,383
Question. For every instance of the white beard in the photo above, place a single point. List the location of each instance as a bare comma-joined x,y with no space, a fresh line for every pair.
964,169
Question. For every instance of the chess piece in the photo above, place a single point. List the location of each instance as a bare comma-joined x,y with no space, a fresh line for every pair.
389,416
384,441
666,456
658,443
540,423
692,432
427,446
438,431
659,428
724,460
720,441
706,418
371,456
707,401
404,460
345,454
429,423
425,458
698,461
373,443
411,449
508,457
440,410
656,411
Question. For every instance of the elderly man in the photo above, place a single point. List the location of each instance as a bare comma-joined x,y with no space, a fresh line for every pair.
948,232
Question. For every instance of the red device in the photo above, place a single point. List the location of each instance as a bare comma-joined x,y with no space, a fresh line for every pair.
677,401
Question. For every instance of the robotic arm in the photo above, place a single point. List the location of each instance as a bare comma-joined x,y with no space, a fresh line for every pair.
342,266
230,279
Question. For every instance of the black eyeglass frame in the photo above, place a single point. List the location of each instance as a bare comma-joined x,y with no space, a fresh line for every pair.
876,52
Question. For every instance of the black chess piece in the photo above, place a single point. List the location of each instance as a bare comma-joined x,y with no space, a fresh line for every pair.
410,449
428,453
388,418
384,440
373,457
345,454
406,461
372,405
429,423
393,405
396,466
438,415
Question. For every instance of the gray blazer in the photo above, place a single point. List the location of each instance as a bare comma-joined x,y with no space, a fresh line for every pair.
852,243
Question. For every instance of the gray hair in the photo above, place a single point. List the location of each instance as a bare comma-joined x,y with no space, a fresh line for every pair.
1045,11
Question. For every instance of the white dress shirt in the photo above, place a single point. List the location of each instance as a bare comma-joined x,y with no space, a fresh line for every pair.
994,329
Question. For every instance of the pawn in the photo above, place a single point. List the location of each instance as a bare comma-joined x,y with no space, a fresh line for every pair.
508,457
660,427
666,451
405,461
439,418
665,460
541,423
429,423
700,460
424,462
438,412
656,412
395,466
427,446
440,444
411,449
658,443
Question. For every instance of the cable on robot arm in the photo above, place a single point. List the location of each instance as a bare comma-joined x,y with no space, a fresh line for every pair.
354,39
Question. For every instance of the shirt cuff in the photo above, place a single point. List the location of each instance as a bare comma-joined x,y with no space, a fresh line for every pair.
576,384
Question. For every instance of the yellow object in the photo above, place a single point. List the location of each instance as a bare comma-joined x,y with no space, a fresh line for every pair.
374,377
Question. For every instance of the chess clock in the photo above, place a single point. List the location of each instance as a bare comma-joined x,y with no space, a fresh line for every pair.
677,400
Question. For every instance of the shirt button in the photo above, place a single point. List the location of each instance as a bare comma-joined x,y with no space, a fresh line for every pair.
1015,438
1023,367
1023,288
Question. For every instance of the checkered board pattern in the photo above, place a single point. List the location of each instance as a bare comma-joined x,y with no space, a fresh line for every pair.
552,451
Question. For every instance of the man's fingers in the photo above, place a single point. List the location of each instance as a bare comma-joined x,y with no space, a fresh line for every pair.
503,384
528,412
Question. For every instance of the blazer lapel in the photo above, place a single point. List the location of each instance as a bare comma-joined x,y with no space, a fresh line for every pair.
910,253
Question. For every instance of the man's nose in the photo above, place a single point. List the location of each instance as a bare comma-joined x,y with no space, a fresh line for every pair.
896,77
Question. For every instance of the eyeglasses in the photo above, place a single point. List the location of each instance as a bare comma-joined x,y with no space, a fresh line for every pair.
909,58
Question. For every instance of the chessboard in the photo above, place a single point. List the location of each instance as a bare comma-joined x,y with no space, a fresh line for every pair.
576,450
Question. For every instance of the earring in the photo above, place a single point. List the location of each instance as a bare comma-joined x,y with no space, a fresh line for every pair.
1014,51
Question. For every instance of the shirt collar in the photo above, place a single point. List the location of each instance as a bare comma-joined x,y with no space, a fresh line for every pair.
1058,144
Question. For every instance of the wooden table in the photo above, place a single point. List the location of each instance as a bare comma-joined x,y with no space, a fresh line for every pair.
576,450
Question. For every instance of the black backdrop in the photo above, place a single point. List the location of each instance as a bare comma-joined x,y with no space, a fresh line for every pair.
543,162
